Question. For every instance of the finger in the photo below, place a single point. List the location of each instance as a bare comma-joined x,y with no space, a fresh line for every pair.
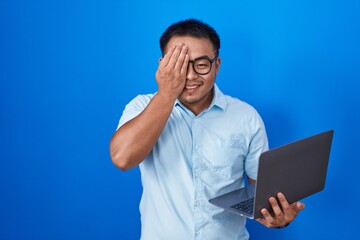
263,222
284,203
298,206
275,206
267,216
301,206
185,65
174,56
180,61
165,60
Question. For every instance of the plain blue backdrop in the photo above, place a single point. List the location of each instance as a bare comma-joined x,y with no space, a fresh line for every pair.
67,69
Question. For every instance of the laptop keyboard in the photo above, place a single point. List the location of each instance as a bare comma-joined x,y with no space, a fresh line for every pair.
245,206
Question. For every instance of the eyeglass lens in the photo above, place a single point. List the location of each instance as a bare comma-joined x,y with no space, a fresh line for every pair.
202,66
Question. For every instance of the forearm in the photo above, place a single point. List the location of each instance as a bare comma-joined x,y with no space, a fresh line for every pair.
251,181
133,141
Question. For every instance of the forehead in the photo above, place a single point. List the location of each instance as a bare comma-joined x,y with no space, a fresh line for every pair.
197,46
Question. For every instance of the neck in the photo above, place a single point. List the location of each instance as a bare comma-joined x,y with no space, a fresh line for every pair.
200,105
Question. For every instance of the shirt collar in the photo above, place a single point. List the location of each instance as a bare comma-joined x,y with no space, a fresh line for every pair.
218,99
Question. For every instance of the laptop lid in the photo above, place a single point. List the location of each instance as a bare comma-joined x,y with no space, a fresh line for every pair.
297,170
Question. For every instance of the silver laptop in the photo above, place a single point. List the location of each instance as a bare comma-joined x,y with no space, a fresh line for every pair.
297,170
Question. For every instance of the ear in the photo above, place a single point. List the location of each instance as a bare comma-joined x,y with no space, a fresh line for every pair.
217,65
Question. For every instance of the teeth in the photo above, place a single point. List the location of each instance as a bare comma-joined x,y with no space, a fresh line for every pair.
191,87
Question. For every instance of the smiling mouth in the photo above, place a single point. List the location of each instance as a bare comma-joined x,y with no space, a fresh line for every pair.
190,87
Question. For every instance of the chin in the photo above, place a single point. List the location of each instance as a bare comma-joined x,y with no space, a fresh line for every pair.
189,100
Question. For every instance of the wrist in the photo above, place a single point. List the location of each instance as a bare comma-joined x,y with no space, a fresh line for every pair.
169,98
283,226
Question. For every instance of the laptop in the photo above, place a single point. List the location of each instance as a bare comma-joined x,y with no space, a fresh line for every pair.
297,169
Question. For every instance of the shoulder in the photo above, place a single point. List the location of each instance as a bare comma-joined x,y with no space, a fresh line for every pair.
242,113
236,109
231,104
237,105
140,101
135,107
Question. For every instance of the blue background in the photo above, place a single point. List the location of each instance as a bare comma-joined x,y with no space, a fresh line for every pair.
67,69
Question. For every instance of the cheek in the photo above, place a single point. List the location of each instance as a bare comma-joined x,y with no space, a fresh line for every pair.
210,79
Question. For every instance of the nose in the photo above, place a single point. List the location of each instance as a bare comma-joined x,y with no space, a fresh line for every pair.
191,74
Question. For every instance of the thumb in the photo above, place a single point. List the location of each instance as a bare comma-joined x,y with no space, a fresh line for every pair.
299,206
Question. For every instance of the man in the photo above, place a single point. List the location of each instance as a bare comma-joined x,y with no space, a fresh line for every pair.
192,143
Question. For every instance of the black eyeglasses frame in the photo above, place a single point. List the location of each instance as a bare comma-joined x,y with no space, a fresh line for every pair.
200,58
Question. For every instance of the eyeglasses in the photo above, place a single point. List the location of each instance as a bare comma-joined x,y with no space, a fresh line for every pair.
202,65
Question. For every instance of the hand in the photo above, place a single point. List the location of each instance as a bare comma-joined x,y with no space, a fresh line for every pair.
171,73
281,215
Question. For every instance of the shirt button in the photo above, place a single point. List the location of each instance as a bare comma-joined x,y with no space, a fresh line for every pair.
196,147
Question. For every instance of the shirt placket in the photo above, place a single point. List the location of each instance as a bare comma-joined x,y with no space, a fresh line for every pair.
197,178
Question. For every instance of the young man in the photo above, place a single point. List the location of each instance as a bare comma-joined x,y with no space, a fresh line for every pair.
192,143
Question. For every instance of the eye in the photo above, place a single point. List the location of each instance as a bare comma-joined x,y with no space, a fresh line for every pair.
202,63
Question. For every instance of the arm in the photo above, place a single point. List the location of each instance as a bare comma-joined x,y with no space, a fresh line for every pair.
251,181
134,140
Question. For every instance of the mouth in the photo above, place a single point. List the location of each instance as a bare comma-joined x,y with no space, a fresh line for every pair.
192,86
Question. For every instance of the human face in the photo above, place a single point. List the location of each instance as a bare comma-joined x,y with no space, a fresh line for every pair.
198,91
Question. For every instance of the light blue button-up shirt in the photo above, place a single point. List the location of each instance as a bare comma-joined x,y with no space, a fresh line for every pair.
195,159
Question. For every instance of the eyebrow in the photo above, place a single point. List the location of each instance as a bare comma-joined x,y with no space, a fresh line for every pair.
203,56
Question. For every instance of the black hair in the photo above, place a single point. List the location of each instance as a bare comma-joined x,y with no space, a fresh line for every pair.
193,28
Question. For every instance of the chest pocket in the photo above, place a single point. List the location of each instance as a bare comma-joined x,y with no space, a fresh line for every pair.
228,160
